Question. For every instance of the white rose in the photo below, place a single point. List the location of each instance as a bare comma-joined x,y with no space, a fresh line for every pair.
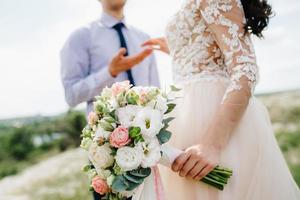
159,103
150,121
129,158
152,152
127,114
101,133
101,156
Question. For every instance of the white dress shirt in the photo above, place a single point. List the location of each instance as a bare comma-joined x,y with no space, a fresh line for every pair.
87,53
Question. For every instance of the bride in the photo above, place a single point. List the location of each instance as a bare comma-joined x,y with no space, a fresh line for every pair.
218,120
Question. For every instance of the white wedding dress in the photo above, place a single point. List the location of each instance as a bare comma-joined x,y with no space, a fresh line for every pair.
214,62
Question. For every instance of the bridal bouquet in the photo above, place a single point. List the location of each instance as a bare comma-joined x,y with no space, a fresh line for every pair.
125,136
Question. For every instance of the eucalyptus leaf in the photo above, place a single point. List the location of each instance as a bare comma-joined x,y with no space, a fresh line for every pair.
120,184
133,179
142,172
164,136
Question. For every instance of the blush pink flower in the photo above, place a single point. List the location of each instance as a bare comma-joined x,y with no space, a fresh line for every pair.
100,186
92,118
119,137
120,87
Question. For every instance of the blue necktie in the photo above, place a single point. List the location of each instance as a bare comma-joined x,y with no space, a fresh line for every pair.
118,27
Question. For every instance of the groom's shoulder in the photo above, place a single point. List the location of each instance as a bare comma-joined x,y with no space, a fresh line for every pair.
81,33
138,32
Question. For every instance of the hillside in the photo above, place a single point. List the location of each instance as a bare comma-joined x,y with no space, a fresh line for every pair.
60,177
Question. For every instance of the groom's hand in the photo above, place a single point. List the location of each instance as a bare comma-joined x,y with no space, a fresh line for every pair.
121,63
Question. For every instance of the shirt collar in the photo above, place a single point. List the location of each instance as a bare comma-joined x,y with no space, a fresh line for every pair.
110,21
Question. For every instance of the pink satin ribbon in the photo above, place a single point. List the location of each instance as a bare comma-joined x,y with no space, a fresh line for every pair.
159,189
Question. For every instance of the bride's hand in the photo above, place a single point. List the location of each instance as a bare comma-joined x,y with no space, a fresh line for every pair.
197,161
158,44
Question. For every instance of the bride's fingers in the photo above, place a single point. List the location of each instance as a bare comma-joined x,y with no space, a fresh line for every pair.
151,42
188,165
196,170
179,162
208,168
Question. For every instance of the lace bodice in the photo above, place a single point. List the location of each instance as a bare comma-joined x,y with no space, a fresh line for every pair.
206,37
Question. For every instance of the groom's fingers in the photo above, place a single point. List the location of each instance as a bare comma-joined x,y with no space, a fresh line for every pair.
121,53
179,162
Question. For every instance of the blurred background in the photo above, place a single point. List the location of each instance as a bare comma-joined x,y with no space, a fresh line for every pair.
39,134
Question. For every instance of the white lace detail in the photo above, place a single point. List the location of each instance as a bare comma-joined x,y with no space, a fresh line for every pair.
208,36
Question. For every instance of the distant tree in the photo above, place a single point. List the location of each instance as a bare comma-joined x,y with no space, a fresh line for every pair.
20,143
72,125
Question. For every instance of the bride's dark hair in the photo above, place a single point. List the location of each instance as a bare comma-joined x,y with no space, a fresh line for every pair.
257,13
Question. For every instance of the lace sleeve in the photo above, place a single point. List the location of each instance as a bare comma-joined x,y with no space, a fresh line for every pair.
225,19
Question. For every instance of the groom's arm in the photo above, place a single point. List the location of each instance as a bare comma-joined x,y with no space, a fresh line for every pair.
79,85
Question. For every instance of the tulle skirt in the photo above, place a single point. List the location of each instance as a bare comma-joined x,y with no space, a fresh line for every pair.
259,169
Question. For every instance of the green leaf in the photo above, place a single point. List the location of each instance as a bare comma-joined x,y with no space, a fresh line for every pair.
171,107
109,119
134,132
164,136
117,169
120,184
142,172
168,120
174,89
133,185
106,126
87,168
132,98
134,179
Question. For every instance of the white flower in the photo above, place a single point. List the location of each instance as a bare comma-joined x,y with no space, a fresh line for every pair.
127,114
101,156
129,158
114,103
101,133
110,180
106,93
86,143
159,103
149,120
152,152
104,174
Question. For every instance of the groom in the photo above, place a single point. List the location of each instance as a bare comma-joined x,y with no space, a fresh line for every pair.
107,50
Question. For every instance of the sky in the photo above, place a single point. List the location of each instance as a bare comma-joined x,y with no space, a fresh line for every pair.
33,32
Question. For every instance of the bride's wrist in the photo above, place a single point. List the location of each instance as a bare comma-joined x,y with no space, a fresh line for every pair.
212,138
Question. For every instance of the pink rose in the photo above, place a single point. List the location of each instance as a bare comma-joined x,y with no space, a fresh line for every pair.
100,186
119,137
120,87
93,118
